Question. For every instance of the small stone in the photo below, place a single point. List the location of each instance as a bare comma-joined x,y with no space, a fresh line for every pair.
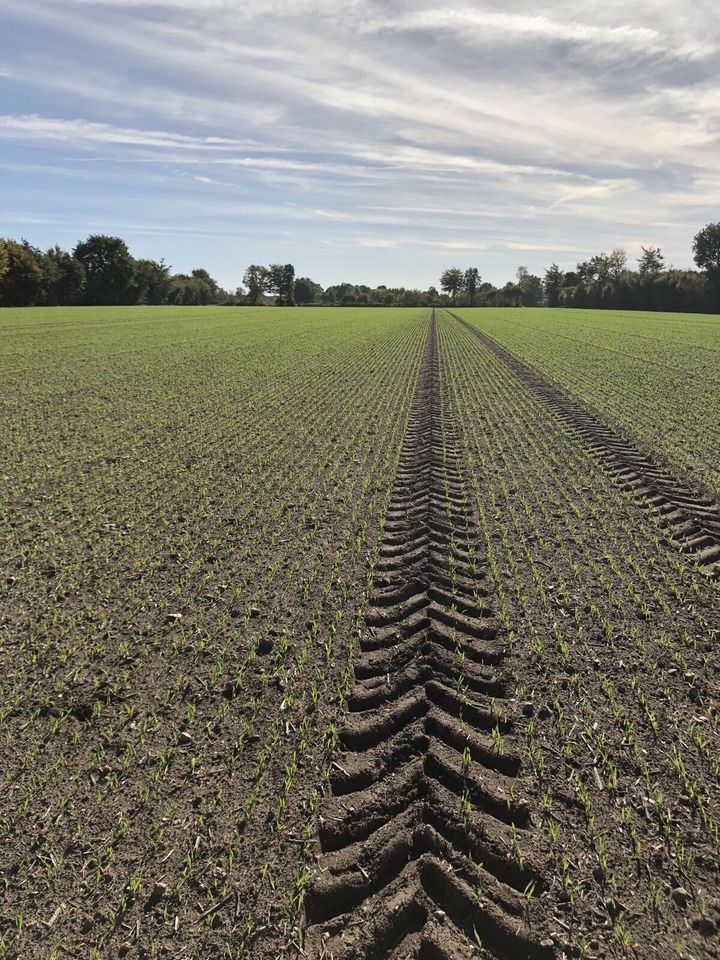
173,617
185,739
680,896
124,948
254,612
689,677
440,915
528,709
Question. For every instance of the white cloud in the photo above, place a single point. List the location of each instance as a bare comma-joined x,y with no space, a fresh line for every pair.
542,247
493,26
379,243
80,132
409,240
461,127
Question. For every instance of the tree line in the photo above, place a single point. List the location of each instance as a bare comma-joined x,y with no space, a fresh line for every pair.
605,281
101,270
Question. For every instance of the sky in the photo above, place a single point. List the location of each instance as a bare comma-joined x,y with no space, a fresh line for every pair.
370,141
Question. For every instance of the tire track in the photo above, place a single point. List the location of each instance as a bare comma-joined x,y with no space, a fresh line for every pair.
423,835
691,522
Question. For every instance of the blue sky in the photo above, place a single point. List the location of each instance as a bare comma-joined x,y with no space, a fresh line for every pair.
376,142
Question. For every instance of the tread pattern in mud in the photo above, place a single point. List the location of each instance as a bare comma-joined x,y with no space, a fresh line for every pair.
423,835
691,522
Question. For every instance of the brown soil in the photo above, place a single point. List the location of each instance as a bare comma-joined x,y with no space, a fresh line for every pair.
459,699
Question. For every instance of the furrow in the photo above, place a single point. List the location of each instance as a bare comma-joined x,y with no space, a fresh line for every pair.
422,837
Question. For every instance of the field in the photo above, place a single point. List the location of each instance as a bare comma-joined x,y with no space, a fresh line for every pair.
654,375
344,633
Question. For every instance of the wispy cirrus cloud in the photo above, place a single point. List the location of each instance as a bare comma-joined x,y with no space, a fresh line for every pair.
492,26
340,131
77,132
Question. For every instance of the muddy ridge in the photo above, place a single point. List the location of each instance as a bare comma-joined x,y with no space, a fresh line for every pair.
691,522
422,838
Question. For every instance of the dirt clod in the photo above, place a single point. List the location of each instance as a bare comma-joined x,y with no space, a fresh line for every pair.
158,893
680,896
704,925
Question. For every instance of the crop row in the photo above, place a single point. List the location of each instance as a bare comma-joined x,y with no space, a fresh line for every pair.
656,377
177,661
616,635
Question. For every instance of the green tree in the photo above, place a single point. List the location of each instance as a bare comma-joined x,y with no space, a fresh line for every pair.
451,281
180,286
342,294
431,296
509,295
275,280
529,287
706,249
652,262
553,284
64,278
22,282
616,262
706,253
210,284
190,290
586,272
151,282
108,268
471,282
255,279
281,282
599,271
288,291
307,291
